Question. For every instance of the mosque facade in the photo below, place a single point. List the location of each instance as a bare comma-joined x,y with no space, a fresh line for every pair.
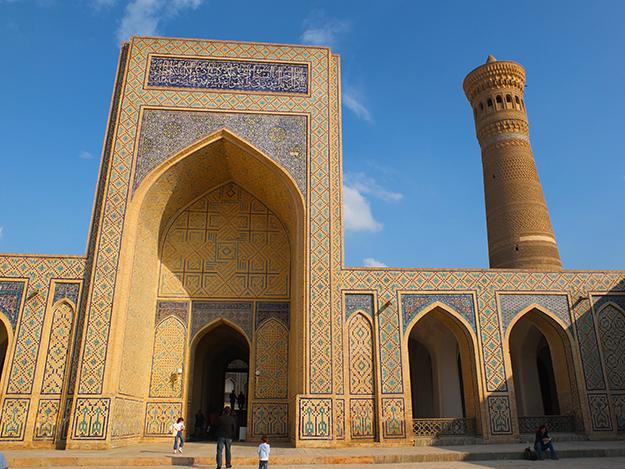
215,263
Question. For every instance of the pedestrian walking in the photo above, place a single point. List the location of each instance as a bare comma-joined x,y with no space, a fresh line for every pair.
177,432
263,453
225,427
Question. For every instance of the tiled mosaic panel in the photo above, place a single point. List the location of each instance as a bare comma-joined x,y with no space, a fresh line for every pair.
270,419
413,304
164,133
170,338
45,422
358,302
339,419
39,271
226,75
205,312
66,290
361,360
178,309
390,350
600,412
618,404
91,419
272,360
13,419
272,310
58,349
511,305
159,417
113,208
499,415
11,299
589,348
127,418
611,324
315,415
226,244
393,418
362,418
601,300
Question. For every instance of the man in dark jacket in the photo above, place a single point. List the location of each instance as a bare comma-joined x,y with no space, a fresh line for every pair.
225,427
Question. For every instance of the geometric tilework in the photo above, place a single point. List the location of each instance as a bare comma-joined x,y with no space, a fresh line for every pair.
339,419
10,299
499,413
270,418
315,418
362,418
358,302
160,416
166,132
275,310
91,418
510,305
14,413
127,418
66,290
618,404
205,312
600,412
611,324
361,362
172,308
393,417
601,300
414,303
390,351
168,354
45,423
226,244
58,348
589,348
272,347
39,271
211,74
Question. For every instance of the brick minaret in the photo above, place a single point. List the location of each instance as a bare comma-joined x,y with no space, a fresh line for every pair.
520,235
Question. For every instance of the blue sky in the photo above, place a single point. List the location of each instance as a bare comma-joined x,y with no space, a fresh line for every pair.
413,173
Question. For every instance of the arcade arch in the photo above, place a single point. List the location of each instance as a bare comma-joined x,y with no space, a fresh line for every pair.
443,375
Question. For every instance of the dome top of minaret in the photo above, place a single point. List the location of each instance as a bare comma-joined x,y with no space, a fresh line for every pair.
490,59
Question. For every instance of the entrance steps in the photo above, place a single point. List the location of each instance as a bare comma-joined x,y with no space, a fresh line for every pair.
197,454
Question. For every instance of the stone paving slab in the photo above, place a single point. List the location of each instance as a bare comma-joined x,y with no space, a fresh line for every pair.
245,454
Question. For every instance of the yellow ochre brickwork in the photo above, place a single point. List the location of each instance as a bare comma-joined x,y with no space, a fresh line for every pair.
219,209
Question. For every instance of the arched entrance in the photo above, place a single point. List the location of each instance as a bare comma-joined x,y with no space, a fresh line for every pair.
212,235
220,366
4,347
541,356
443,380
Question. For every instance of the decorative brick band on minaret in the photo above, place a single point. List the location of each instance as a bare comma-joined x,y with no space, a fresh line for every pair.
520,235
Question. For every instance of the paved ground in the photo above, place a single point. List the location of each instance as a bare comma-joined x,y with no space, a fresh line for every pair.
581,463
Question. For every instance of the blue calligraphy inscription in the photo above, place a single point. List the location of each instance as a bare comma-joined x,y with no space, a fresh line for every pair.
214,74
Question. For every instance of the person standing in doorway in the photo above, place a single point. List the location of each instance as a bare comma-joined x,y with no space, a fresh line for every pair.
263,453
241,400
233,399
177,431
225,427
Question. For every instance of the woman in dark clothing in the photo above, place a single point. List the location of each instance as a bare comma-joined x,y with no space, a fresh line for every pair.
543,442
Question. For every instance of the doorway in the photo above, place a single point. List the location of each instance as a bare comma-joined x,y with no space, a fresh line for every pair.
220,377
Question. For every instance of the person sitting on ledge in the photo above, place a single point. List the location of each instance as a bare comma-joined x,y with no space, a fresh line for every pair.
543,442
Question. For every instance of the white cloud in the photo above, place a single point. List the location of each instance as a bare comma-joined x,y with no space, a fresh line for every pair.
85,155
358,215
322,31
368,185
353,101
142,17
371,262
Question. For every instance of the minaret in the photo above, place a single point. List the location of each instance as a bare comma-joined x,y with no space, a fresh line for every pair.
520,235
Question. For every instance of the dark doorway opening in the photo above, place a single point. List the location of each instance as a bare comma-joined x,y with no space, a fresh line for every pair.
220,367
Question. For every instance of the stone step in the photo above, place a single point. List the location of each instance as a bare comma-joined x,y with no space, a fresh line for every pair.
563,436
337,456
